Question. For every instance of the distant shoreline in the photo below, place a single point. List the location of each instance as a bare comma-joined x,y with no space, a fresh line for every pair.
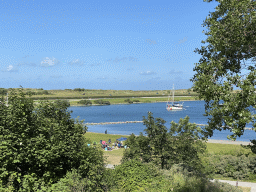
126,103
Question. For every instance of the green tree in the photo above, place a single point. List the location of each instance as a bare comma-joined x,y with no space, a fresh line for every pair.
157,134
182,144
40,144
231,45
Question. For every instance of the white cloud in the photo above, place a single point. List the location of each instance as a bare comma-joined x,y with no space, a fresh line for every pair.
123,59
183,40
10,68
148,73
175,72
48,62
76,62
150,41
27,64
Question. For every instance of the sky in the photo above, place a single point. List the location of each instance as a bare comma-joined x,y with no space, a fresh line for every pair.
100,44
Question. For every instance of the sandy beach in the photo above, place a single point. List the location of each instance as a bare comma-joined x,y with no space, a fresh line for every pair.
228,142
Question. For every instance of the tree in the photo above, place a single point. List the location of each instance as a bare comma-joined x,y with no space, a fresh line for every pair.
231,42
181,144
42,143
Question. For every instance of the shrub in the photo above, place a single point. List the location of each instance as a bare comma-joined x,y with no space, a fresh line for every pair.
128,101
85,102
101,102
62,103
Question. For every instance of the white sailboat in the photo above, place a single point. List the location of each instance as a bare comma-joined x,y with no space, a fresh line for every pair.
170,106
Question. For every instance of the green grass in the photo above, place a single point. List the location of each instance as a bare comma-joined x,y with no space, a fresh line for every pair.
92,93
227,149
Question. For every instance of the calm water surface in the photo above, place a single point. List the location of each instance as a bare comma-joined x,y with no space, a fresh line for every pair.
135,112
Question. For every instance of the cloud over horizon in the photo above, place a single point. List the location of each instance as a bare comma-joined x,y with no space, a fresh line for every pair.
48,62
76,62
10,68
148,73
123,59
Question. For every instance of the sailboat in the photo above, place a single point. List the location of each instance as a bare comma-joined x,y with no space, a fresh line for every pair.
173,105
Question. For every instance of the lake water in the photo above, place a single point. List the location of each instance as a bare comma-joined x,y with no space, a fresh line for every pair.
135,112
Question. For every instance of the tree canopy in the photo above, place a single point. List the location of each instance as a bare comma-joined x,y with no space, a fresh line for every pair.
230,50
181,144
42,143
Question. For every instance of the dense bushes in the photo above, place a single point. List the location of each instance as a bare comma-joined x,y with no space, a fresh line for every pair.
41,144
137,176
130,101
63,103
101,102
85,102
3,91
42,92
236,167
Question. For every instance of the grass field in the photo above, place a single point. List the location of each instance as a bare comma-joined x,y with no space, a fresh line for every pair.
93,93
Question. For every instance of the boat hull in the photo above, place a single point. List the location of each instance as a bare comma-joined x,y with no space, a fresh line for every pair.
174,108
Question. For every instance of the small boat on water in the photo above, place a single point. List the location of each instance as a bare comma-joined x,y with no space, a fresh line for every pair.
170,106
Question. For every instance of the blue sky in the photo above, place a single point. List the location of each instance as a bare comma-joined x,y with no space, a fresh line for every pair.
104,44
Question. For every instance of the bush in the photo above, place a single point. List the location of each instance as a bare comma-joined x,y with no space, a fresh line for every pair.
101,102
240,167
85,102
133,175
128,101
3,91
62,103
78,89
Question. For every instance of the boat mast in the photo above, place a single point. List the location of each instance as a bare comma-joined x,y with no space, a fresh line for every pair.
173,95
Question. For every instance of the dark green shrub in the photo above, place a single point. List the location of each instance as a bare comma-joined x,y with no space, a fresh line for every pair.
85,102
3,91
136,101
62,103
128,101
134,175
101,102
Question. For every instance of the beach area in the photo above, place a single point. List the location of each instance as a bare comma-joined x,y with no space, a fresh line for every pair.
229,142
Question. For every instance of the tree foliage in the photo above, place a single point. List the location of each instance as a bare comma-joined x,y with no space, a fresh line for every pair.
231,40
181,144
42,143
